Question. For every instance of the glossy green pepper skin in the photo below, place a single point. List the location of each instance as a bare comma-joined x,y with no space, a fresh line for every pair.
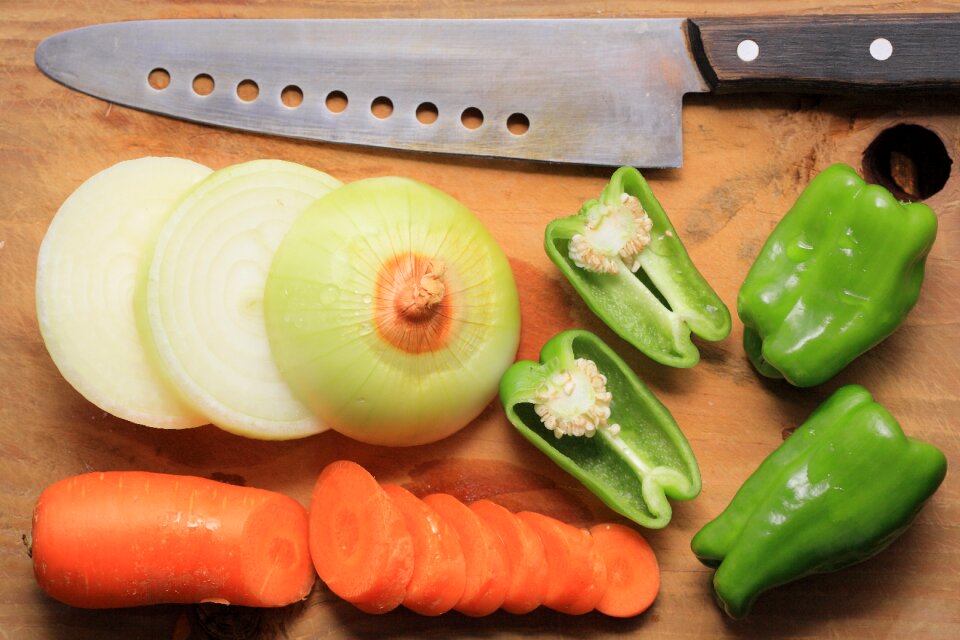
837,275
839,490
652,297
633,455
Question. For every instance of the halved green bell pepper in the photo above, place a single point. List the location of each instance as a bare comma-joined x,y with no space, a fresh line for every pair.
839,490
624,258
586,409
837,275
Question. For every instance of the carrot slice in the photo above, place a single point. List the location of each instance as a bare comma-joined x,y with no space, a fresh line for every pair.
486,566
358,539
439,568
525,557
633,574
578,576
131,538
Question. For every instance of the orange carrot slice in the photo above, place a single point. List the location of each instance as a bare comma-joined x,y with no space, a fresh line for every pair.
359,540
439,568
633,574
486,566
525,557
131,538
578,576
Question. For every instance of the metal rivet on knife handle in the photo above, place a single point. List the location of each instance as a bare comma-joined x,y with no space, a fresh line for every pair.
881,49
748,50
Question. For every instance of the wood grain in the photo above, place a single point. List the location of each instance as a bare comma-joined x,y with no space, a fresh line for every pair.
747,157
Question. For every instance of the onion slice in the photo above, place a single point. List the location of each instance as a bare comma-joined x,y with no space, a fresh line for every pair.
87,270
203,291
392,312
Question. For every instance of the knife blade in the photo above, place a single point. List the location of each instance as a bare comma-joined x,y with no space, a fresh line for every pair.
587,91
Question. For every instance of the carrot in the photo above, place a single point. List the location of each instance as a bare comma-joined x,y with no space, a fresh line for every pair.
131,538
578,576
439,568
358,539
633,574
525,557
487,578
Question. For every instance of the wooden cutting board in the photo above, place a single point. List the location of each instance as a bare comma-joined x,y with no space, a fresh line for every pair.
746,160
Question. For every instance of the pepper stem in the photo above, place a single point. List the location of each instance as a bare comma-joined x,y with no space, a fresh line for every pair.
575,401
614,235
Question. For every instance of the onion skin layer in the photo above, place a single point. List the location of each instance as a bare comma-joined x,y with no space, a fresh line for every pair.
334,306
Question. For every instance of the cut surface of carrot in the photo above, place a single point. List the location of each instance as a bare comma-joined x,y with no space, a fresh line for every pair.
525,557
132,538
483,552
439,568
358,539
633,574
578,576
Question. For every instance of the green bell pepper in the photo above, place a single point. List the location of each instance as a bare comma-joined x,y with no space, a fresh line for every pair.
585,408
624,258
837,275
839,490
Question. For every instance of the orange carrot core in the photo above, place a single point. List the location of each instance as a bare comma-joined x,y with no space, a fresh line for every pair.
412,306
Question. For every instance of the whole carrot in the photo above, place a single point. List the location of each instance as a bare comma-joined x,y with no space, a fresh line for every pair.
130,538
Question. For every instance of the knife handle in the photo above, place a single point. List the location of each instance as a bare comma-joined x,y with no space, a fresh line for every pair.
829,53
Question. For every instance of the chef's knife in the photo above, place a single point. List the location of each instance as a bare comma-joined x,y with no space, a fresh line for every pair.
591,91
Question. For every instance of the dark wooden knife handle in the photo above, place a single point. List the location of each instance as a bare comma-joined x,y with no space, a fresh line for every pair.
829,53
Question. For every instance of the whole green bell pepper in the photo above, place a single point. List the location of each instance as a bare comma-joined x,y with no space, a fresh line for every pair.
839,490
837,275
624,258
586,409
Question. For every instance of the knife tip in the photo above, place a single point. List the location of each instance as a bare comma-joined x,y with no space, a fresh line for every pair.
45,52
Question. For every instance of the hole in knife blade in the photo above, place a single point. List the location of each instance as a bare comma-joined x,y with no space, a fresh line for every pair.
159,79
203,84
291,96
427,113
248,91
382,107
518,124
336,101
472,118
